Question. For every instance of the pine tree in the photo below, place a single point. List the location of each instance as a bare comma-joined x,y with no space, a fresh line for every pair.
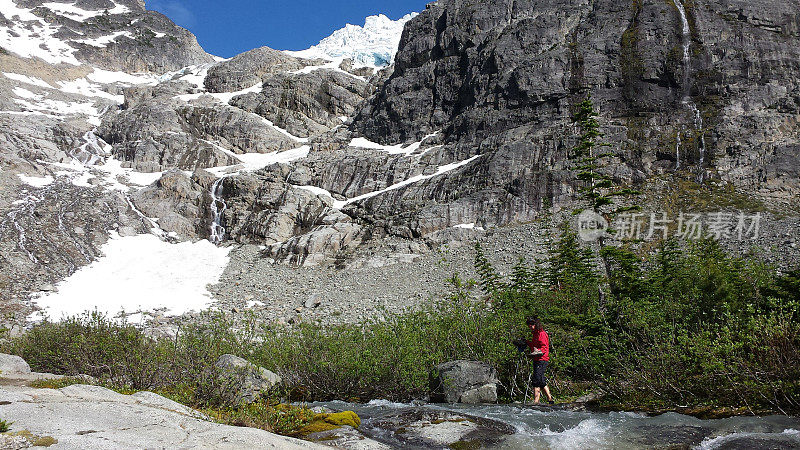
592,157
490,280
599,188
569,262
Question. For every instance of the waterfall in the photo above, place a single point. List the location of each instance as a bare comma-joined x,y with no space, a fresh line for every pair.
687,42
93,151
686,98
217,230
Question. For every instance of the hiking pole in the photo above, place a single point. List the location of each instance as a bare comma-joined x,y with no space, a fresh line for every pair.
525,398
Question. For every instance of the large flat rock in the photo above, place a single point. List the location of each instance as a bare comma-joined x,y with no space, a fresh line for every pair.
93,417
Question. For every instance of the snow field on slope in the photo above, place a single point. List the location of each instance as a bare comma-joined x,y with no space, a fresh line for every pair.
29,36
103,41
140,273
339,204
72,11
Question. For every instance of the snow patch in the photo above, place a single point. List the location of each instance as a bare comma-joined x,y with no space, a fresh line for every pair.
403,149
195,75
222,97
256,161
108,77
36,181
73,12
140,273
316,190
282,131
469,226
29,36
84,87
103,41
333,65
98,163
24,93
27,80
39,103
339,204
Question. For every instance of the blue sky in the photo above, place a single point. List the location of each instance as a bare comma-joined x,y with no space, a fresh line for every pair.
227,28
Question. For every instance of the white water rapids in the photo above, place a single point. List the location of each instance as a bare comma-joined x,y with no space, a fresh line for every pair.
562,429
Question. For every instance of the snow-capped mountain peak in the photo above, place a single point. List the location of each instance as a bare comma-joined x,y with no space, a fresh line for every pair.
371,45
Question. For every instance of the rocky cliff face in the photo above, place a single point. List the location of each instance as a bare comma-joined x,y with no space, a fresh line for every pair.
502,79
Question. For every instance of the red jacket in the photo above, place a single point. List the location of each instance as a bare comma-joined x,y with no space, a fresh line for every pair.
542,342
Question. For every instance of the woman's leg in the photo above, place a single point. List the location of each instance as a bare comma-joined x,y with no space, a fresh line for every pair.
538,379
547,392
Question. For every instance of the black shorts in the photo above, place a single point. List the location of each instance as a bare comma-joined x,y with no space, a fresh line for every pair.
538,374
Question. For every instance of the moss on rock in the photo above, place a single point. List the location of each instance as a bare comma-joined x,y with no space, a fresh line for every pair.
331,421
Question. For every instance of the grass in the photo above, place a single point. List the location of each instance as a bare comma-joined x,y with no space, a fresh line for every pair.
687,195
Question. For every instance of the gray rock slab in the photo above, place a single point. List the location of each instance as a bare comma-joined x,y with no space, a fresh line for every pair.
93,417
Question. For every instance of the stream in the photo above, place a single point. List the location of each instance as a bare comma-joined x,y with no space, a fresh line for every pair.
553,428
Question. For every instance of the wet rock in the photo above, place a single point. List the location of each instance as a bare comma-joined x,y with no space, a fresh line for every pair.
427,428
464,382
672,436
346,437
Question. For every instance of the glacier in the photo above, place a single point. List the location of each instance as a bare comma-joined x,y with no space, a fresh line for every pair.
373,45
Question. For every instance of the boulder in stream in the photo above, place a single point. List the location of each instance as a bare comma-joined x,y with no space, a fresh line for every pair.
464,382
434,428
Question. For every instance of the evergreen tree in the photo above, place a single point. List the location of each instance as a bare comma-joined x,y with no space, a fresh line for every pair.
490,280
569,262
591,157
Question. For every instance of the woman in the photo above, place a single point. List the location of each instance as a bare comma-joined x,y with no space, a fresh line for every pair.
540,351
